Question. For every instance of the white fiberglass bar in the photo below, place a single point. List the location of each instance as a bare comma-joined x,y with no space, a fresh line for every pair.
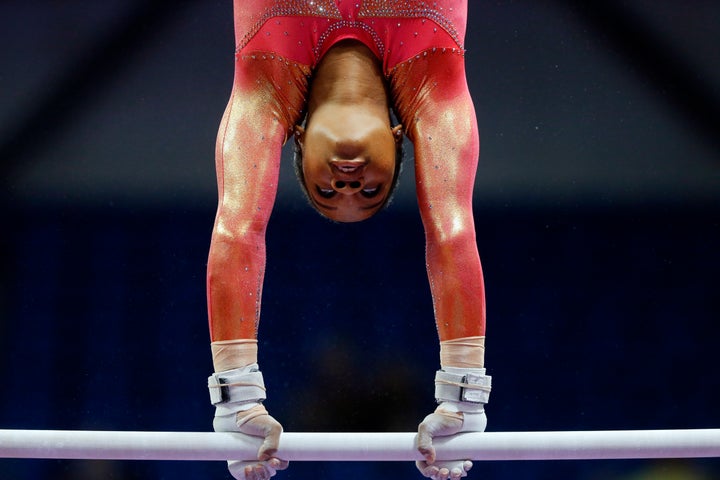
580,445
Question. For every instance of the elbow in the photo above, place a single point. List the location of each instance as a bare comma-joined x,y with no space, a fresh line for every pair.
453,230
237,246
233,228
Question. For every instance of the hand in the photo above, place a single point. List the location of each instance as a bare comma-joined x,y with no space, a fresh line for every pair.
445,423
258,423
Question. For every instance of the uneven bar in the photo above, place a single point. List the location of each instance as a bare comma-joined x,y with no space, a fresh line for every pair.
571,445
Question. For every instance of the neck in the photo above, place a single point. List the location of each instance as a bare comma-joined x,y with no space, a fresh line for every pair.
349,74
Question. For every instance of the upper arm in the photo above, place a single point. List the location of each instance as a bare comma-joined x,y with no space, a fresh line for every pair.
434,103
255,125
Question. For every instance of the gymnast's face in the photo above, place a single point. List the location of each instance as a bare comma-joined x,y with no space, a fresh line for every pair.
348,163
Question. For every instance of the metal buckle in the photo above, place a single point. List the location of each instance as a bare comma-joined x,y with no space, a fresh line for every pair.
218,390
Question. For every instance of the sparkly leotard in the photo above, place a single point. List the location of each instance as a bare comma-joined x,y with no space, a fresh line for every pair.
278,44
303,31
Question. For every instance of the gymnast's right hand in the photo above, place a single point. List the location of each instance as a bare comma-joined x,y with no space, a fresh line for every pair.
238,395
258,423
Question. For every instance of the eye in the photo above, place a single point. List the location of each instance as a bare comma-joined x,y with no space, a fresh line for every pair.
370,192
325,192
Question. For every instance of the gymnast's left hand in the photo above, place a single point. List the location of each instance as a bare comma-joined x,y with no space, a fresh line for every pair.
443,423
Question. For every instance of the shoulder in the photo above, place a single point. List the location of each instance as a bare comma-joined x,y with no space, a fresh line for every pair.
271,85
427,84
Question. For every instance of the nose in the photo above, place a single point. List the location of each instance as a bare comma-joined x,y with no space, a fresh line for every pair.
348,175
347,187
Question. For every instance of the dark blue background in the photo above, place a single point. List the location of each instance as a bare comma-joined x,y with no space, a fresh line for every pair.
598,319
597,208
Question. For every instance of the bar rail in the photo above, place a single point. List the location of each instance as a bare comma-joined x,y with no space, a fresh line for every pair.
398,446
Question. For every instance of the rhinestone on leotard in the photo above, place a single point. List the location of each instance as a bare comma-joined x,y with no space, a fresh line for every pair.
291,8
342,24
368,9
411,9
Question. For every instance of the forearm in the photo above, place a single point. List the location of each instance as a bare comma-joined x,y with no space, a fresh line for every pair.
456,284
458,292
235,272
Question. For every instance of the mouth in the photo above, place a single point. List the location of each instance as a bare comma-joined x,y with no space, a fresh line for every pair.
348,166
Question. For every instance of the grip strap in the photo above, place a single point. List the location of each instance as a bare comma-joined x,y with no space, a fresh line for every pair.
470,386
240,385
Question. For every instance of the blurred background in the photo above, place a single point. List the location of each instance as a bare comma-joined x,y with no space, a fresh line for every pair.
597,207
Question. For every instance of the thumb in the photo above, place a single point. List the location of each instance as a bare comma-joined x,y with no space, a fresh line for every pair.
269,429
439,423
423,440
271,443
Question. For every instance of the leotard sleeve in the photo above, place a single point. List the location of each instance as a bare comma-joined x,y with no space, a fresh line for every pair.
267,96
434,104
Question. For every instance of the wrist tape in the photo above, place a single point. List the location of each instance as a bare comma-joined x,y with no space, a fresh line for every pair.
232,354
463,385
237,386
464,352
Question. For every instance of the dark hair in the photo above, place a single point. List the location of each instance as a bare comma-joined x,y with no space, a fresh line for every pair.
399,155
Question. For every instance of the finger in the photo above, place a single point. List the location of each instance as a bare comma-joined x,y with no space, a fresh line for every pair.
269,470
456,469
261,472
442,474
278,464
428,471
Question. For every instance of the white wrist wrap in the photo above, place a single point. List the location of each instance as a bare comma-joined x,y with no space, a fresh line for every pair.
462,385
237,386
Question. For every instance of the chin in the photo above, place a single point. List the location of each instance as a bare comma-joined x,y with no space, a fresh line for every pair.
348,217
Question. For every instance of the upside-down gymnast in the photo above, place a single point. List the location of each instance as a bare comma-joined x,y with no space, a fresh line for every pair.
328,73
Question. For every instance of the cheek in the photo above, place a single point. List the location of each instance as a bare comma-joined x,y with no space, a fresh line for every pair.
386,156
381,176
388,168
313,170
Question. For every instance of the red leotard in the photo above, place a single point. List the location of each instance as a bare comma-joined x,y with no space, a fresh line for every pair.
279,44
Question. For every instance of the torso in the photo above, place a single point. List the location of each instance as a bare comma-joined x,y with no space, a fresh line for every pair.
303,31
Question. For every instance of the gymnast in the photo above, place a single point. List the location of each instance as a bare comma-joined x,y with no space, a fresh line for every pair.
329,73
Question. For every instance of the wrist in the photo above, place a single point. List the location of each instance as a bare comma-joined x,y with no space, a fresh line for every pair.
232,354
465,352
